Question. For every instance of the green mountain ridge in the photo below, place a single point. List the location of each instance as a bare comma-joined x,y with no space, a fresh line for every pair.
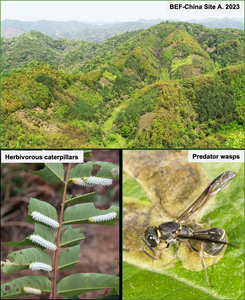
83,56
171,85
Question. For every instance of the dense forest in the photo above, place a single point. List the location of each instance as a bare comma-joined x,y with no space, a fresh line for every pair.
173,85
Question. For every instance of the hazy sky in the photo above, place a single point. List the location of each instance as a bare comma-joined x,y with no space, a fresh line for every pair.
94,11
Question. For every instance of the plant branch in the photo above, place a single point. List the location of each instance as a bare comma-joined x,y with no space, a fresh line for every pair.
58,236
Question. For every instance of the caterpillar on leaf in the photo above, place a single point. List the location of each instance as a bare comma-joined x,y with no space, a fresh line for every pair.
92,181
105,217
37,216
31,290
36,266
35,238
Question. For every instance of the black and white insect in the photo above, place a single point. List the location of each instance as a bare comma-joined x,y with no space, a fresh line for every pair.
212,240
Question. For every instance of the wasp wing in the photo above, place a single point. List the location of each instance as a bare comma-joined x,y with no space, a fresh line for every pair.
214,187
204,239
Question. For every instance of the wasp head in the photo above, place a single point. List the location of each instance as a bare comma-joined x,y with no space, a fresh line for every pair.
151,236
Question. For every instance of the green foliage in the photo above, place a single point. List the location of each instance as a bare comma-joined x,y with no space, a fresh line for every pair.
184,39
176,122
181,62
125,131
99,78
82,110
67,238
214,101
168,57
109,76
138,108
112,137
229,51
122,84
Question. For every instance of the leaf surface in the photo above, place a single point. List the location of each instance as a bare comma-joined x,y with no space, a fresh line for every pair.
23,258
79,214
52,173
71,237
107,170
77,284
90,197
14,288
41,230
68,258
43,207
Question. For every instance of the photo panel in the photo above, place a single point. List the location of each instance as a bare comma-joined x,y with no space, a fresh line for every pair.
152,94
122,74
179,218
60,220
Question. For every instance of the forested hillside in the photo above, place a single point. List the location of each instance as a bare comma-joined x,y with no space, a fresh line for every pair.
172,85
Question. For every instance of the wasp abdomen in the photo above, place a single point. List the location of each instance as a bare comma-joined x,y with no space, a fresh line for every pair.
212,249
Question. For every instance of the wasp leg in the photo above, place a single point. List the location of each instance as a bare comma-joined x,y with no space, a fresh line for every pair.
175,254
202,262
143,249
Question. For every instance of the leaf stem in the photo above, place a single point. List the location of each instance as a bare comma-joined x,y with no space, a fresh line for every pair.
58,236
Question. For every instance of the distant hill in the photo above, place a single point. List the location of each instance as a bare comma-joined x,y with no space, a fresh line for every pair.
9,32
97,32
221,23
72,30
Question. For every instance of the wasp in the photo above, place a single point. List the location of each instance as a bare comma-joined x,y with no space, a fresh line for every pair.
212,240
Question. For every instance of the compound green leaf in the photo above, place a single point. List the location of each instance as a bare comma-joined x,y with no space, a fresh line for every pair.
52,173
81,170
22,259
43,207
107,170
44,232
68,258
79,214
77,284
41,230
14,288
71,237
90,197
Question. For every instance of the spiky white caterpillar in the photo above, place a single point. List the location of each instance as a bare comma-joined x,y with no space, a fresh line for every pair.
37,216
31,290
35,266
35,238
105,217
92,181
